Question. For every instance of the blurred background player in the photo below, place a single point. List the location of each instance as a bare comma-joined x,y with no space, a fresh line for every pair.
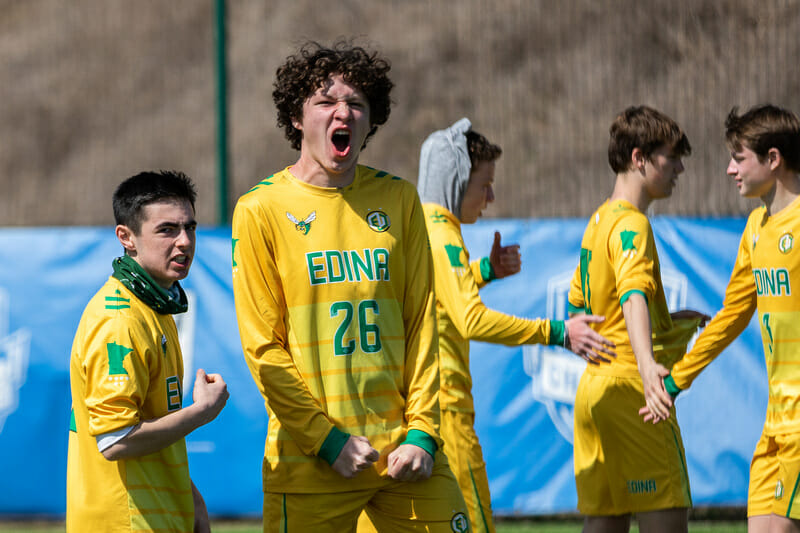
127,468
765,163
455,181
333,285
621,465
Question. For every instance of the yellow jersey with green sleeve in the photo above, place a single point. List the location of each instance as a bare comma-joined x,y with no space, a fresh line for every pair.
766,276
126,367
461,314
334,298
619,259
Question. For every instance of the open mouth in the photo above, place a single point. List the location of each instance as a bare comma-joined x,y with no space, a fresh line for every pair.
341,140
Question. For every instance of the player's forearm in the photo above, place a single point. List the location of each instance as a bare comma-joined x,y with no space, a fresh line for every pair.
637,322
421,377
150,436
737,310
718,334
487,325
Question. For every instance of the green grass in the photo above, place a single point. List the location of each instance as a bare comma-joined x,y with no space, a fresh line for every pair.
561,526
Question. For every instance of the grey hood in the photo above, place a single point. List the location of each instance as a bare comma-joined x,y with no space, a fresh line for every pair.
444,167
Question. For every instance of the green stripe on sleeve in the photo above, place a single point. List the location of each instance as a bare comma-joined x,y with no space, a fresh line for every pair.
487,272
575,309
333,445
631,293
421,439
556,333
672,388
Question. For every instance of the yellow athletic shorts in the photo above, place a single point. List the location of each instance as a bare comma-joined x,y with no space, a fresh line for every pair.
622,464
466,461
434,505
775,477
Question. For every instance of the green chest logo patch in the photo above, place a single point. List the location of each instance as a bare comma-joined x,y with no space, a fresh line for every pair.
304,225
378,221
459,523
786,242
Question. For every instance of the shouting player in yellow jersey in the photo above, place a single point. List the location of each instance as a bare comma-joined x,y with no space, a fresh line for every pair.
333,285
127,468
623,466
765,163
455,181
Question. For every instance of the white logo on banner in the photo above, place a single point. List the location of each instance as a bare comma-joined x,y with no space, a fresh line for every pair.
15,350
555,372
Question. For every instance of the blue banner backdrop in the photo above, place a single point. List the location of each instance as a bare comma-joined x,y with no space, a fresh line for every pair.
524,396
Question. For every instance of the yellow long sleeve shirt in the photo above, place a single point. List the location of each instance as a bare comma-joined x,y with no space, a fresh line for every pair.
334,299
461,314
765,274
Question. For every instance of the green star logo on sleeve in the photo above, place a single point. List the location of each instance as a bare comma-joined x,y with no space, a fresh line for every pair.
627,240
454,255
116,354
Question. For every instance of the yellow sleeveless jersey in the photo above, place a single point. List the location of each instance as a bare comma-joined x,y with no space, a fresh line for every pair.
462,315
619,258
126,367
766,272
334,299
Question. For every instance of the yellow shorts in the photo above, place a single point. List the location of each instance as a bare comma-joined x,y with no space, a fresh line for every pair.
775,477
624,465
466,461
434,505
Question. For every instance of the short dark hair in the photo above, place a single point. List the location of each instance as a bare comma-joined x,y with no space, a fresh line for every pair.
648,130
305,72
480,149
145,188
763,127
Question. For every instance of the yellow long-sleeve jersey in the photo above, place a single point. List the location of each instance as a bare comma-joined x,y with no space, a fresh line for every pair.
619,258
334,298
462,315
126,367
766,272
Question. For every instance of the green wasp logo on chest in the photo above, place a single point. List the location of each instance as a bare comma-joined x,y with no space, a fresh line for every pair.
305,225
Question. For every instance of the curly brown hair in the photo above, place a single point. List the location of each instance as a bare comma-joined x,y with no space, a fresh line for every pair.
480,149
306,71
